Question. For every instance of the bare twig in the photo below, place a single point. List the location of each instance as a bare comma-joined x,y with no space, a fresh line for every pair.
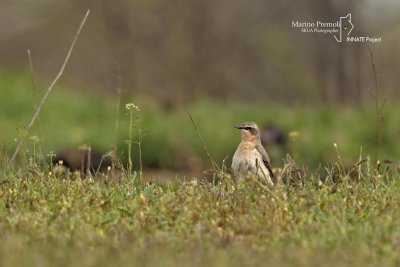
32,72
119,92
39,108
214,166
357,165
89,160
378,108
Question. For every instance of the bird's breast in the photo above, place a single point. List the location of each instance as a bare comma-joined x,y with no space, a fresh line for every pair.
244,158
247,160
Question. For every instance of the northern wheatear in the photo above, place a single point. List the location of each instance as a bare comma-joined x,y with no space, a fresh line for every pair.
250,157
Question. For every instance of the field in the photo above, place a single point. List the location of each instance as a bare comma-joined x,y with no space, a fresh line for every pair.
321,214
47,221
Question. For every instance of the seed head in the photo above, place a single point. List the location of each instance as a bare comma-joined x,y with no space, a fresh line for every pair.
35,139
131,106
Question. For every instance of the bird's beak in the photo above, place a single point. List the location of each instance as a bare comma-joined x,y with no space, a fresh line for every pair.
238,127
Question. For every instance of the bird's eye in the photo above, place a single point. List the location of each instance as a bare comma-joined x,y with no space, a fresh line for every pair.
248,128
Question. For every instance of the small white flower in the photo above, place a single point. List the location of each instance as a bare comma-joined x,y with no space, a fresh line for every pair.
131,106
35,139
51,154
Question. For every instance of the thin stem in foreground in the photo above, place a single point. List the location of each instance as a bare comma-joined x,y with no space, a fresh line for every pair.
130,144
39,108
41,145
214,166
378,109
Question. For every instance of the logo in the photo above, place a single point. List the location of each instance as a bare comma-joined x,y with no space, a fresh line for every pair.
345,27
340,29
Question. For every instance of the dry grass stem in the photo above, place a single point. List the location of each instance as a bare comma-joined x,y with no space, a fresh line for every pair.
39,108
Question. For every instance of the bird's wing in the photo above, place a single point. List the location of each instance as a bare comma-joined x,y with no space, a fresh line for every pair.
265,159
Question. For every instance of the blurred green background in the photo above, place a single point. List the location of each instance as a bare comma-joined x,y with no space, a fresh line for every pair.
225,62
72,117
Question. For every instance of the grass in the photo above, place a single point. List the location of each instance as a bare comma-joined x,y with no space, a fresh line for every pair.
321,216
333,220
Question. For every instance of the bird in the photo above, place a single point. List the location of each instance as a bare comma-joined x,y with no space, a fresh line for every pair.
250,157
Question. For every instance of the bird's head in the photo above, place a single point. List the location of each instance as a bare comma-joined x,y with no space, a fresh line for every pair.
249,131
